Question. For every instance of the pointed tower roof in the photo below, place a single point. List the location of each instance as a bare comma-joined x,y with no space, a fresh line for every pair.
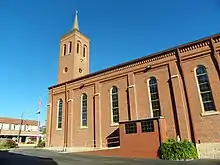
76,24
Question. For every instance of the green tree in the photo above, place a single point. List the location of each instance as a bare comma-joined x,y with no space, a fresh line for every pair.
44,130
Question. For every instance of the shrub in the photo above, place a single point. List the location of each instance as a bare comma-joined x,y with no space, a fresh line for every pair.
177,150
11,143
41,144
8,143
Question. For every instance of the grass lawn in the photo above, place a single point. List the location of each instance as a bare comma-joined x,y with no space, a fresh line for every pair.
3,147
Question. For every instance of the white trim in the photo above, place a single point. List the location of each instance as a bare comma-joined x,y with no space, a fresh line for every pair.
58,114
81,126
114,124
111,114
199,92
96,94
149,97
58,129
131,86
111,106
70,100
210,113
175,76
149,94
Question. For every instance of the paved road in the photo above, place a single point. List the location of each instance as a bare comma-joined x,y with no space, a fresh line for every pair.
43,157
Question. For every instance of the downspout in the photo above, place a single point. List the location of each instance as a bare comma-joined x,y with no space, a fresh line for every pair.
66,119
100,126
128,100
94,118
159,129
179,65
174,104
51,115
135,95
215,57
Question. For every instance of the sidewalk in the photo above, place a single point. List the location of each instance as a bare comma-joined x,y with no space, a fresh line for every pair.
26,146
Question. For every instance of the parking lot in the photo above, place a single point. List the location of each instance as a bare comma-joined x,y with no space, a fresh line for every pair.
45,157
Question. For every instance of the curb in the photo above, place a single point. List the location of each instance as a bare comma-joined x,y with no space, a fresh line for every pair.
9,149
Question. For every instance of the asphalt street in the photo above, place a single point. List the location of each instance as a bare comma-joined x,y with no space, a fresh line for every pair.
44,157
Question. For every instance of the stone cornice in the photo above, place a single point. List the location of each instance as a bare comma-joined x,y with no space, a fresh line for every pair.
154,57
102,79
216,39
74,32
194,46
161,56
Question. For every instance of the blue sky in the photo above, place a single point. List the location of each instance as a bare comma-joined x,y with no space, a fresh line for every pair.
119,31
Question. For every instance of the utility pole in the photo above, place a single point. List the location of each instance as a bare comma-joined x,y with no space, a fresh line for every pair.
21,123
19,131
1,128
38,116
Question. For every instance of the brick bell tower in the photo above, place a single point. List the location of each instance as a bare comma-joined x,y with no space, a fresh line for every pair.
74,54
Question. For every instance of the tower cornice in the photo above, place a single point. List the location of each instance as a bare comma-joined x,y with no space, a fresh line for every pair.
73,32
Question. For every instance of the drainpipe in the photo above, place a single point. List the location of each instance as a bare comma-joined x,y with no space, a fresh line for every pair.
179,64
215,57
159,129
51,117
94,117
100,126
66,120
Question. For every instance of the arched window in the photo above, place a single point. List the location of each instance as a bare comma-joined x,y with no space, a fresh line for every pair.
114,105
70,47
59,113
84,110
78,45
84,50
154,97
64,49
204,89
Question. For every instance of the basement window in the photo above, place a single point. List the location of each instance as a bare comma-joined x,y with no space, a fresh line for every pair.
130,128
147,126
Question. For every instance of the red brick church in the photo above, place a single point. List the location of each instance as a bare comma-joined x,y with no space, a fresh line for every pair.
134,106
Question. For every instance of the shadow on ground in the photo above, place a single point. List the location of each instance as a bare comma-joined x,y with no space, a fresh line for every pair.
22,157
8,158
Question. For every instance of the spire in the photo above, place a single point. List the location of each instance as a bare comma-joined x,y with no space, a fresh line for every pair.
76,24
